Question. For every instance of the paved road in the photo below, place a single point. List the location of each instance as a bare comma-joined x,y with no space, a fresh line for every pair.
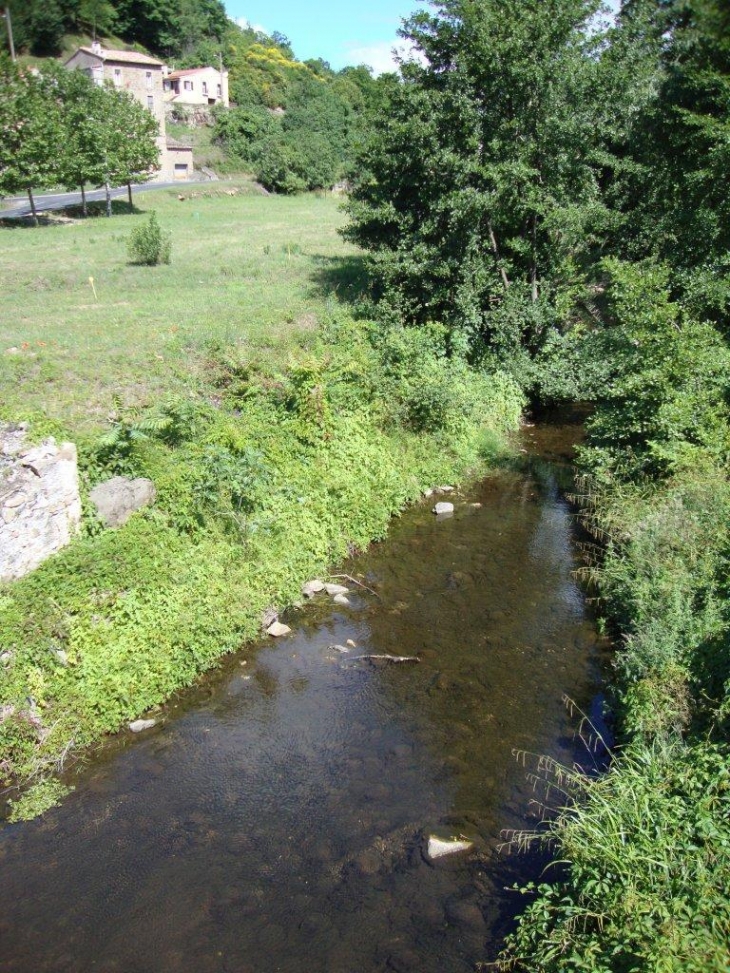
16,207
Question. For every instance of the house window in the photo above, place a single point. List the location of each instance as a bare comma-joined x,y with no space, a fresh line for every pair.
205,87
118,77
150,102
166,84
218,90
148,79
188,85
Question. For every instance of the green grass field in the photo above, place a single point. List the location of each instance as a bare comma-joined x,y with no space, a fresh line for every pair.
249,270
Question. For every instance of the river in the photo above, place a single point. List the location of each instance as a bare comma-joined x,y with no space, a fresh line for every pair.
277,817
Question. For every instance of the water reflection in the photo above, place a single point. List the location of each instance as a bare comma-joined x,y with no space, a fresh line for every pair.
277,821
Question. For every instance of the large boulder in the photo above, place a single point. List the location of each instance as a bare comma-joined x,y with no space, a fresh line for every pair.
40,506
117,499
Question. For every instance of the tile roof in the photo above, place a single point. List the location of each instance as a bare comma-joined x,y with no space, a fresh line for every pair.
180,74
126,57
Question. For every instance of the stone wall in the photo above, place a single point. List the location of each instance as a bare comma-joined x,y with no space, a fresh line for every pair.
40,506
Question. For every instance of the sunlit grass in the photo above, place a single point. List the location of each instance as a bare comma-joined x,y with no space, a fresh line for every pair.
245,269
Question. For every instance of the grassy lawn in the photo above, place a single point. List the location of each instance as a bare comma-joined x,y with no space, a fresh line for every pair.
246,269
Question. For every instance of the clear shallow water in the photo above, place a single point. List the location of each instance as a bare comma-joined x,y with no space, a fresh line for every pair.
275,820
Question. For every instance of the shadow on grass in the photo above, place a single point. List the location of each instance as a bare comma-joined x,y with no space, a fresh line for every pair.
345,278
95,210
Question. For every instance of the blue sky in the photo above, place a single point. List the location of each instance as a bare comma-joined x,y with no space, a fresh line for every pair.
340,31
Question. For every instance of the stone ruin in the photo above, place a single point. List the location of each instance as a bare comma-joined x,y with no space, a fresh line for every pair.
40,505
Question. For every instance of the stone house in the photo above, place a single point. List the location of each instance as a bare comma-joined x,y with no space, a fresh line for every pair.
140,75
196,87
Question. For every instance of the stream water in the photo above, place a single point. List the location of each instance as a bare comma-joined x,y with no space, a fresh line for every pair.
277,816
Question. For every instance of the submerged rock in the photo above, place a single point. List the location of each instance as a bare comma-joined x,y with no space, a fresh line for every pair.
443,508
438,848
341,599
336,589
139,725
277,629
312,588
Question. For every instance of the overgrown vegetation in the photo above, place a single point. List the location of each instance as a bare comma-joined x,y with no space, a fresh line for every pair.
269,466
555,194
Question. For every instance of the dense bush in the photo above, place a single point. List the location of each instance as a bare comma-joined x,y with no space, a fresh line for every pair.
148,244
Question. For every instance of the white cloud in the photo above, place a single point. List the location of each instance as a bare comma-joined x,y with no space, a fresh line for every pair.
246,24
381,57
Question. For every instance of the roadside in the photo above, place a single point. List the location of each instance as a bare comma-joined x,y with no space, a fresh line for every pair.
17,207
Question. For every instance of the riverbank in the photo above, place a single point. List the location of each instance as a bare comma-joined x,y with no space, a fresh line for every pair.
267,471
282,809
645,848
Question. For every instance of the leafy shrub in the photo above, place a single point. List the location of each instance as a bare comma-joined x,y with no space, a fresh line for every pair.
148,245
647,853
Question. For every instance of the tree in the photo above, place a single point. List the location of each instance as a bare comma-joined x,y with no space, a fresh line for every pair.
128,142
30,132
478,197
84,115
676,192
38,26
98,16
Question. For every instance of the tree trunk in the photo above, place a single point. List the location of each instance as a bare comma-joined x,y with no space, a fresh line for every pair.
533,271
129,194
108,199
32,206
495,251
84,209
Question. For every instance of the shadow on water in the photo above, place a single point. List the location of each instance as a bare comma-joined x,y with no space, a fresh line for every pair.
278,817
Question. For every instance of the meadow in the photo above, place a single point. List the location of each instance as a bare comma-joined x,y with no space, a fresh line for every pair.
246,269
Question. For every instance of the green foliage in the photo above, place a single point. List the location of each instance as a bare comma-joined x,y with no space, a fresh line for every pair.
148,244
665,404
647,855
480,191
38,799
30,130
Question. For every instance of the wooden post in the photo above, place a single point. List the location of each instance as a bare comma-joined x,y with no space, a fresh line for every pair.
83,202
108,198
129,194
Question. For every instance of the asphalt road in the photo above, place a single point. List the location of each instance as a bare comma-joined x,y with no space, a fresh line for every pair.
16,207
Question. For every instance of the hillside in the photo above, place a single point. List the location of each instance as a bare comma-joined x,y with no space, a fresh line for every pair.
294,125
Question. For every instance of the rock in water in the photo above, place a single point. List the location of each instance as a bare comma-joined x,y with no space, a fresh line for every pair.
277,629
312,588
336,589
438,848
341,599
140,725
443,508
